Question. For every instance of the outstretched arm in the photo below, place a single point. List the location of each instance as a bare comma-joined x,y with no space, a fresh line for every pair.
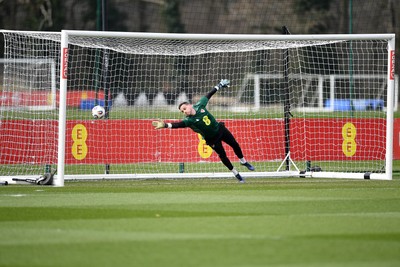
160,124
222,84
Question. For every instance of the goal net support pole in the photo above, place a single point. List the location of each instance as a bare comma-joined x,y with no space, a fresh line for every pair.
286,105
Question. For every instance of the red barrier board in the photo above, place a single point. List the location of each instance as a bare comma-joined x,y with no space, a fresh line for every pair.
338,139
28,141
396,139
138,141
132,141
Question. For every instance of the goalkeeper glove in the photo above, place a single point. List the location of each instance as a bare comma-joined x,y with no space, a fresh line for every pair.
222,84
158,124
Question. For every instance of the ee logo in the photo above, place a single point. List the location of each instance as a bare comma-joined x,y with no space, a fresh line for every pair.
349,145
79,147
204,150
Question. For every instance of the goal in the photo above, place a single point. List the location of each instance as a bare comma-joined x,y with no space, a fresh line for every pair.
139,77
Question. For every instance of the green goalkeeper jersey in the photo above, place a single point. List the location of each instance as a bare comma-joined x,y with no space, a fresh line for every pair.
202,122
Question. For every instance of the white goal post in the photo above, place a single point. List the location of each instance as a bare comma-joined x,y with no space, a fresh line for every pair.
139,77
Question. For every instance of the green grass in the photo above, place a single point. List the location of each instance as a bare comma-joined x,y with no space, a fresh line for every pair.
202,222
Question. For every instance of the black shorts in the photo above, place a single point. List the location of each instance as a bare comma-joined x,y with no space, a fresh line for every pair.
224,135
221,132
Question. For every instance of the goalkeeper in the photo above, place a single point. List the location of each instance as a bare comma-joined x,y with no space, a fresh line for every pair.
214,133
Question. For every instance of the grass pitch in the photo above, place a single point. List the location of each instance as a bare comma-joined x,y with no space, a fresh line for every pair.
209,222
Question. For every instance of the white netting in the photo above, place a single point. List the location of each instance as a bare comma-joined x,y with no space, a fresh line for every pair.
28,114
335,94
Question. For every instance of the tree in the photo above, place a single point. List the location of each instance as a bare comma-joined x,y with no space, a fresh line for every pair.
172,16
318,11
39,15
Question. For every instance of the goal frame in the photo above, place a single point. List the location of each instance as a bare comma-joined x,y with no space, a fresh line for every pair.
60,177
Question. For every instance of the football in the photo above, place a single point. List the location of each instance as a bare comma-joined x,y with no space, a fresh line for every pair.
98,112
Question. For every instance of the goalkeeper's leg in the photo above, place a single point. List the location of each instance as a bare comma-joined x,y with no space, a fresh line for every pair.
219,149
228,138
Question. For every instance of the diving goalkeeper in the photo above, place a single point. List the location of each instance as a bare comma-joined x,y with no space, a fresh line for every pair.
200,120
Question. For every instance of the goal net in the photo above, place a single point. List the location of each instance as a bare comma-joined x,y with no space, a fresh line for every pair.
139,77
